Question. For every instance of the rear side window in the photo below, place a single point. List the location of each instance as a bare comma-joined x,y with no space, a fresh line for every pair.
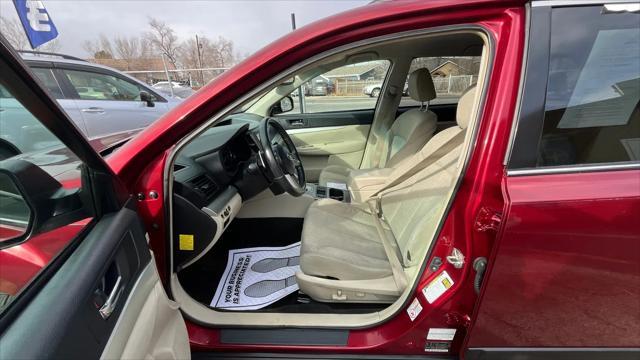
591,112
49,81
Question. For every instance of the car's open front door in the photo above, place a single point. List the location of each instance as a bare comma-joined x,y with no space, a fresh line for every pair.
77,278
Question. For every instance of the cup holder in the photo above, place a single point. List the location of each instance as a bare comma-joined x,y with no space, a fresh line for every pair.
336,194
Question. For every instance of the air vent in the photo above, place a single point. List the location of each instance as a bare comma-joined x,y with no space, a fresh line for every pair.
204,185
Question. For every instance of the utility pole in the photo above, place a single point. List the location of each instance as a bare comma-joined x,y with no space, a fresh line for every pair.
198,47
301,99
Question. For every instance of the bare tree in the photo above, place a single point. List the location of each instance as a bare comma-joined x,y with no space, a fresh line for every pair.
213,54
51,46
163,37
12,30
223,55
219,53
99,49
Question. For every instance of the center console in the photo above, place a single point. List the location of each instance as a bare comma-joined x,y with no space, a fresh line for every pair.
323,192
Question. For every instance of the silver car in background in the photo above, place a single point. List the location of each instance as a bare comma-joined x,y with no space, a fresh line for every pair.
100,100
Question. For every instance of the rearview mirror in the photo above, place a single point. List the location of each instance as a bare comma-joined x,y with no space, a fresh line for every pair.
284,105
288,81
146,97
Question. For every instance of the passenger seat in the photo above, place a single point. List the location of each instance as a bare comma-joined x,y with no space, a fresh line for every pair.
407,135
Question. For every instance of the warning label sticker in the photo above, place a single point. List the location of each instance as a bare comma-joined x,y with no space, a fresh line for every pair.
437,346
437,287
441,334
414,309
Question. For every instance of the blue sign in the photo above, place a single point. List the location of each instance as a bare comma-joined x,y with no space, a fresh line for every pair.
36,22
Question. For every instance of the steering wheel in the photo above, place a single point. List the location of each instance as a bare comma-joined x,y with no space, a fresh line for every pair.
281,158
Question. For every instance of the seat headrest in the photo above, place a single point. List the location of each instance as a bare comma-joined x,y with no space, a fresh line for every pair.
421,86
465,107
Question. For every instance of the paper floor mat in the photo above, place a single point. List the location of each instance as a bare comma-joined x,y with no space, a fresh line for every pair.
257,277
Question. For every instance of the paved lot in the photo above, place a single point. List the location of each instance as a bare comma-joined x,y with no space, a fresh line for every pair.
316,104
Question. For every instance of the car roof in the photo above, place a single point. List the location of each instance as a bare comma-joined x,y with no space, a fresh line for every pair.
65,59
59,59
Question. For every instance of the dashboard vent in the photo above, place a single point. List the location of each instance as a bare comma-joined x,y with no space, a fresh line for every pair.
204,185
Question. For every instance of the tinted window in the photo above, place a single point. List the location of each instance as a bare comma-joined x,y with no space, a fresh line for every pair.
95,86
49,81
20,130
24,138
451,77
593,90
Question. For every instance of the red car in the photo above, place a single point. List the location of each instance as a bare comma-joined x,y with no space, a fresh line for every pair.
499,222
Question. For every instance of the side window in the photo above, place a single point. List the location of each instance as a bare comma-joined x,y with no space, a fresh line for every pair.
49,81
21,132
96,86
451,77
346,88
592,112
29,235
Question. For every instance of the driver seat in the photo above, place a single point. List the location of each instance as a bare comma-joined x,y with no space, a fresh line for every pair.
351,254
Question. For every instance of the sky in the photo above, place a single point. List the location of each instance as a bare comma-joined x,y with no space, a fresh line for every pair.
249,24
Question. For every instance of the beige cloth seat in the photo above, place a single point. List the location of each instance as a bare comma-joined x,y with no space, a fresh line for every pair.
408,133
343,256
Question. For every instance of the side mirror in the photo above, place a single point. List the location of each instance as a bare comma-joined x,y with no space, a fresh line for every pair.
284,105
31,202
146,97
15,213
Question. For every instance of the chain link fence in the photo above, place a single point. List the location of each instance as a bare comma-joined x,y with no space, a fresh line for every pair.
194,78
454,85
450,85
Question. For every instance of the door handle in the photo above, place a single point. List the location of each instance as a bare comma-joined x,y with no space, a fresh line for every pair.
93,110
296,122
107,308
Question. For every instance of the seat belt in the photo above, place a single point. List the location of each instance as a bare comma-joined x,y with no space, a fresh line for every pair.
396,267
444,149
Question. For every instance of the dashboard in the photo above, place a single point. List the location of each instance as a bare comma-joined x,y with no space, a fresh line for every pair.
213,175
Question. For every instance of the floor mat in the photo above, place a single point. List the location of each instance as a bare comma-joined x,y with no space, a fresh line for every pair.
257,277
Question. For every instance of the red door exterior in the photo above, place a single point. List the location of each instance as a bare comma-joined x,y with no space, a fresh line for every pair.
563,279
566,271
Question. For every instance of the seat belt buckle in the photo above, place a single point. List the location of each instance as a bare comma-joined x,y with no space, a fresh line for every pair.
378,208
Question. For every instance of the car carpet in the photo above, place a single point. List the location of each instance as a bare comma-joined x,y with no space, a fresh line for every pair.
246,233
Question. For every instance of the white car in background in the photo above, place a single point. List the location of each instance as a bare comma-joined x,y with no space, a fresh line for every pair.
179,91
374,90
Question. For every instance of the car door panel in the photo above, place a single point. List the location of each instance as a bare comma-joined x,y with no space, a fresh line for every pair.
329,138
104,117
64,319
70,106
133,338
336,145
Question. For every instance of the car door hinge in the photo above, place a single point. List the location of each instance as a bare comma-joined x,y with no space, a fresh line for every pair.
487,220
